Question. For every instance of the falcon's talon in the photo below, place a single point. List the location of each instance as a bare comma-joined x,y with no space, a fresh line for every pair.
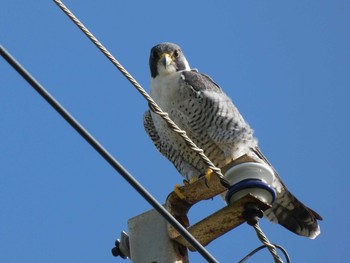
186,182
208,176
178,192
194,179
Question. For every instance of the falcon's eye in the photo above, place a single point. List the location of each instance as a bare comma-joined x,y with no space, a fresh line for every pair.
177,53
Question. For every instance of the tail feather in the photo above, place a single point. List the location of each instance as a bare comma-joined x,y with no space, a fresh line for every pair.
288,211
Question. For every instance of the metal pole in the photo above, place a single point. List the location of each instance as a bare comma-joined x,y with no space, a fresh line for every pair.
149,240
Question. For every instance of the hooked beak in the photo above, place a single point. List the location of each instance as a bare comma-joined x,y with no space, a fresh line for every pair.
166,59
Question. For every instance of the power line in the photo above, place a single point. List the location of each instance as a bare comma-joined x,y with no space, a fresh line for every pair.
272,248
105,154
285,253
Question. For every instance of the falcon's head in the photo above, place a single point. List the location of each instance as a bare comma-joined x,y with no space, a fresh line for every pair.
166,58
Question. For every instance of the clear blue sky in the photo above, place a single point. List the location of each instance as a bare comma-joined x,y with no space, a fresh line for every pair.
286,66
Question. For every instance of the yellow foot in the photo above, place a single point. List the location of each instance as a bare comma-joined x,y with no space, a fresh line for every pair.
178,192
186,182
208,175
194,179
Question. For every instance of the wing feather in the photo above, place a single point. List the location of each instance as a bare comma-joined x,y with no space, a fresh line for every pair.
223,123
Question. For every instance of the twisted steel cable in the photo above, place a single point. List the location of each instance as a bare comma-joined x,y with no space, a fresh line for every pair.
262,237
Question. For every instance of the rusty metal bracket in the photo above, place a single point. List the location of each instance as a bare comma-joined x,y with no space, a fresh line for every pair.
220,222
214,225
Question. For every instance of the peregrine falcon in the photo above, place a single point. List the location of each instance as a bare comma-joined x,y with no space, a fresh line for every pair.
200,107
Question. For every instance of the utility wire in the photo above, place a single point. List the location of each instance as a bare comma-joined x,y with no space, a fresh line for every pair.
267,243
263,246
153,104
105,154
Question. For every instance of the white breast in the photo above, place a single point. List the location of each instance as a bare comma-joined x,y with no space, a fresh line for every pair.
165,89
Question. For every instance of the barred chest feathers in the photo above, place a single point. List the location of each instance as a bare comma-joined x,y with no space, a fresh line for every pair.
208,118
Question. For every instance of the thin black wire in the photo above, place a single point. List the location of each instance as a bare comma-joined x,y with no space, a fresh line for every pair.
106,155
285,253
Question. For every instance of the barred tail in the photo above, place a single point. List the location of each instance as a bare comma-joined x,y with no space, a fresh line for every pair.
289,212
